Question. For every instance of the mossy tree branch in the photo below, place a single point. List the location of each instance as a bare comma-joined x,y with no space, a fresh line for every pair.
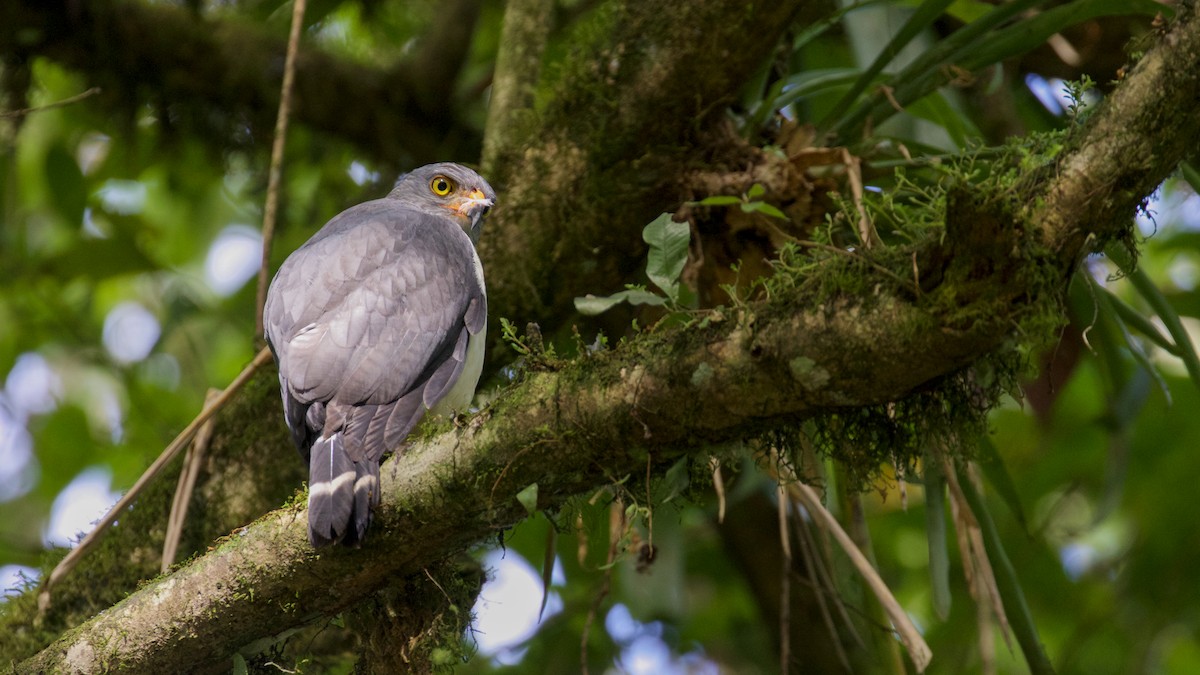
1141,133
594,421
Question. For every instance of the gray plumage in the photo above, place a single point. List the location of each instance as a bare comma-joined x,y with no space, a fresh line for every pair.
379,317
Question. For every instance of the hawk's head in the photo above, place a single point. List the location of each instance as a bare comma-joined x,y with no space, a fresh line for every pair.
446,187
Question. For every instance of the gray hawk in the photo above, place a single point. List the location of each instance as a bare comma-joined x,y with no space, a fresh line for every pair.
380,316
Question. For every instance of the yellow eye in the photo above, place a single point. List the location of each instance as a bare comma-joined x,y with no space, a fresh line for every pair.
441,186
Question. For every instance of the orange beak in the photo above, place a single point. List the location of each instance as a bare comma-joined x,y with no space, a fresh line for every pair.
475,203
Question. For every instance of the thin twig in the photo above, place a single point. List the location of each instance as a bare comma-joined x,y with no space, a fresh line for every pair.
12,114
987,645
901,479
918,650
548,558
824,578
616,532
916,274
581,550
649,509
866,229
822,584
439,586
854,517
187,484
718,486
785,578
985,576
808,243
68,563
273,175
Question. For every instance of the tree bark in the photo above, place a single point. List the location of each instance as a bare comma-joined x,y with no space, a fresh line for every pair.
607,147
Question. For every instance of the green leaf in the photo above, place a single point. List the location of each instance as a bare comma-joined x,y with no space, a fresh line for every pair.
764,208
921,20
814,30
528,498
1031,33
1106,307
1129,401
992,465
508,331
719,200
593,304
1007,582
668,242
674,482
810,83
100,258
798,86
756,190
1124,408
985,41
1135,320
65,447
1110,356
967,11
1191,175
935,531
937,109
925,73
1162,307
69,195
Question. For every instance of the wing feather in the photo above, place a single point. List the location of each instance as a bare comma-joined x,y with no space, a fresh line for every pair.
375,304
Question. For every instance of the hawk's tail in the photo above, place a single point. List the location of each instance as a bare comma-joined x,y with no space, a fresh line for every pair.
341,493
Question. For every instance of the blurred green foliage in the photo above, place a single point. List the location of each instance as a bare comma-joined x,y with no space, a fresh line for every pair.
96,214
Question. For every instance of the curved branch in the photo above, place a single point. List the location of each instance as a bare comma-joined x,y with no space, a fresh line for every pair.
592,421
226,74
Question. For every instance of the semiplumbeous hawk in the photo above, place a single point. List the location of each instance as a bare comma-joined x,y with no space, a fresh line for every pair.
379,317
